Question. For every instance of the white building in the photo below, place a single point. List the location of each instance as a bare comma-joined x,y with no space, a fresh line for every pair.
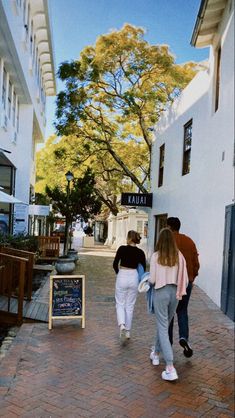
193,152
124,221
26,78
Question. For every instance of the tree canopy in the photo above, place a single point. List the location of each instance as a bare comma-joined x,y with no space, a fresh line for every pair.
82,199
114,94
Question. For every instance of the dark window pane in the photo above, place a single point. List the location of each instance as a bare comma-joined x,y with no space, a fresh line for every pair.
187,147
161,165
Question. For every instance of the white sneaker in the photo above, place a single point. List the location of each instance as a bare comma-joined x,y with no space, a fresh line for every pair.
154,357
170,374
122,334
128,334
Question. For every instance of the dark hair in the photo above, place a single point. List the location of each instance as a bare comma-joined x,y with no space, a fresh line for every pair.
134,237
174,223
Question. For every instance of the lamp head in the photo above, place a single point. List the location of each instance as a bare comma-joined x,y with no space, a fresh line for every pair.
69,176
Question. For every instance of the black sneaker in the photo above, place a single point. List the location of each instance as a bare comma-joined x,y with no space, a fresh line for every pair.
188,352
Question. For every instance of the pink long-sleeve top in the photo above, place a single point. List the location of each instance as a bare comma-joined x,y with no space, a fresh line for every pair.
162,275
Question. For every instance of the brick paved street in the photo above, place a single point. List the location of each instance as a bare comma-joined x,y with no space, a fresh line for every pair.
75,372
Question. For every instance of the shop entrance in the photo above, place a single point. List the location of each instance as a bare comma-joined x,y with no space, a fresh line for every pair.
160,222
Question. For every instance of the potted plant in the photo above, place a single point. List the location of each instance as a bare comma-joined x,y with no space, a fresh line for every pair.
88,240
65,265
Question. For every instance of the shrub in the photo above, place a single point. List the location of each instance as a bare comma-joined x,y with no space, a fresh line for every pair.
20,242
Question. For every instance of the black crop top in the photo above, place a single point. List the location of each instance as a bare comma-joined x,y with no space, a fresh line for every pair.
129,256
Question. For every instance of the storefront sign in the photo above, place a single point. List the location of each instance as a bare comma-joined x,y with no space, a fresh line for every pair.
39,210
20,220
137,199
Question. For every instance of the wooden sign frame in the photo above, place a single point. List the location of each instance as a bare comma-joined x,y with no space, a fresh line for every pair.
62,317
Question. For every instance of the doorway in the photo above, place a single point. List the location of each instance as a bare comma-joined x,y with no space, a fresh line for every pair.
228,277
160,222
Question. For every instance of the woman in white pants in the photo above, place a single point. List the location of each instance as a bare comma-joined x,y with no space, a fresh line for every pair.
125,265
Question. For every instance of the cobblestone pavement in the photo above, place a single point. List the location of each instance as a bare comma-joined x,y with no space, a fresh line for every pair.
75,372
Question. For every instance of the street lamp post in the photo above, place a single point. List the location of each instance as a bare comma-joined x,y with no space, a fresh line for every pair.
32,201
69,178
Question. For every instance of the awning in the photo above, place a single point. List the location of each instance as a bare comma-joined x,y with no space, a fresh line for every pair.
6,198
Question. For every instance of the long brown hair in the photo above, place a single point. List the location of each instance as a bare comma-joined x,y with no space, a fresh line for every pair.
167,250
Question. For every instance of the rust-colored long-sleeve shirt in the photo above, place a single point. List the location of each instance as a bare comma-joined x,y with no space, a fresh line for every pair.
189,251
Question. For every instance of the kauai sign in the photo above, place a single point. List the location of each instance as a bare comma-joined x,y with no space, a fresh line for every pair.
137,199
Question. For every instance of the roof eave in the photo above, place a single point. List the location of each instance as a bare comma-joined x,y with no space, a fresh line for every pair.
198,23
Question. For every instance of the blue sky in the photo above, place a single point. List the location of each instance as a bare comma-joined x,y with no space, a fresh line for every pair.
77,23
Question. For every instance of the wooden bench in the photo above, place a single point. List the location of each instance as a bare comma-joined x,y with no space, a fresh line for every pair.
49,248
30,257
12,284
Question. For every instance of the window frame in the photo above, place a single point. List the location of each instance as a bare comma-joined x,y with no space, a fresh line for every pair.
187,147
161,164
9,99
14,108
4,88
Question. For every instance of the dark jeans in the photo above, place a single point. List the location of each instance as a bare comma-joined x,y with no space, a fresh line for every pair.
182,315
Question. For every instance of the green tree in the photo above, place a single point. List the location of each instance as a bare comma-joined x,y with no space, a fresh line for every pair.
82,201
114,94
69,154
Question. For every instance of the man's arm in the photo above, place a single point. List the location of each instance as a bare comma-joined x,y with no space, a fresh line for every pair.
195,261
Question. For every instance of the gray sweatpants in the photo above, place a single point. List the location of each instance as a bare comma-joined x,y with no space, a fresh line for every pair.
165,304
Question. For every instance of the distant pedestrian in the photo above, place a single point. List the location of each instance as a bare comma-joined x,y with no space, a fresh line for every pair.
125,264
169,275
189,251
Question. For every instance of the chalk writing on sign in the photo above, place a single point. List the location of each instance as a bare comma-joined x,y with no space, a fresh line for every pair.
67,297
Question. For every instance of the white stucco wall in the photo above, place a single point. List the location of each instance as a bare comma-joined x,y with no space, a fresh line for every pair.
118,227
199,198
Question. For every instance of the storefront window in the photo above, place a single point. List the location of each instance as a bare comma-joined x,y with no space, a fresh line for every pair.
7,175
140,227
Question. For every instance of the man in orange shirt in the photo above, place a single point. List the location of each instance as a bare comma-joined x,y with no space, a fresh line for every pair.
189,251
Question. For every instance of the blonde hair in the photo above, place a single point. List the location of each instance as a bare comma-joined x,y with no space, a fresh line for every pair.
133,237
168,254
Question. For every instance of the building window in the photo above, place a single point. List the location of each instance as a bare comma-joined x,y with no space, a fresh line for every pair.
161,165
24,12
139,227
31,38
27,22
145,229
9,99
17,116
4,88
34,48
7,182
14,109
36,61
217,78
187,147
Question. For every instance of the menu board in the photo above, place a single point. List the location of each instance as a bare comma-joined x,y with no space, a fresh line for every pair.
67,298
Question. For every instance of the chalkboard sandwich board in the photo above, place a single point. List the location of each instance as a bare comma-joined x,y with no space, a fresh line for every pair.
67,298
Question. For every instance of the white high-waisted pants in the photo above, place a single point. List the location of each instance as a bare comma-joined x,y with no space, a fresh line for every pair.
125,294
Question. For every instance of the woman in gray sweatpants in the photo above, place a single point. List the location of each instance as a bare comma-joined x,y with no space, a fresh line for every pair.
165,304
168,274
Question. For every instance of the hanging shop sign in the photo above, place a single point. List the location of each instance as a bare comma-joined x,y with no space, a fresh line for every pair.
137,199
